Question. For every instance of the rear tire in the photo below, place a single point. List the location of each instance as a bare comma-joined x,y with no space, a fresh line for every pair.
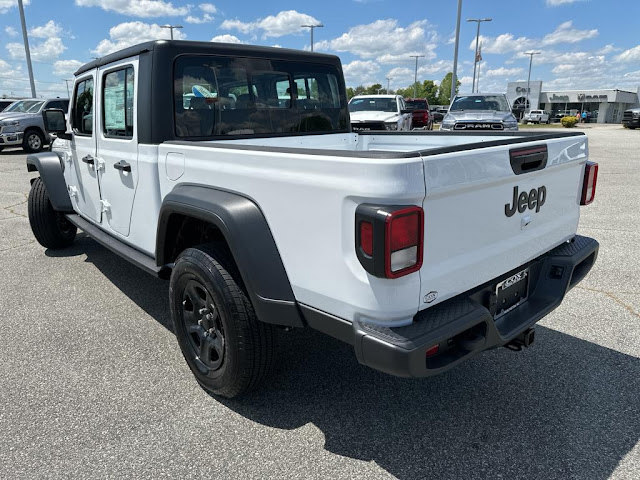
226,347
51,228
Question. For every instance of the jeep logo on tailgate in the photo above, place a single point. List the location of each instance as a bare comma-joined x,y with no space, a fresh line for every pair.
533,199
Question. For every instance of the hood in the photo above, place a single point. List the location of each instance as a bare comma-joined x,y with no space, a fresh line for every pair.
479,115
15,115
373,116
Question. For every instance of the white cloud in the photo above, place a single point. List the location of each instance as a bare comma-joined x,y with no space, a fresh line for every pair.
206,18
7,71
501,44
49,49
66,67
48,30
236,24
503,72
630,55
609,48
556,3
507,42
6,5
565,33
226,38
360,72
284,23
208,8
12,32
386,41
137,8
129,33
632,77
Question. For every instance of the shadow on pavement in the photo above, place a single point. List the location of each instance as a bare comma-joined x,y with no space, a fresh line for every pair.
148,292
565,408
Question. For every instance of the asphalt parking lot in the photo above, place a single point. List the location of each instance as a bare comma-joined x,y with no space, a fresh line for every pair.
92,382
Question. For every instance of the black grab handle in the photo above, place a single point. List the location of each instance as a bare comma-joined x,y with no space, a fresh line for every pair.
529,159
122,166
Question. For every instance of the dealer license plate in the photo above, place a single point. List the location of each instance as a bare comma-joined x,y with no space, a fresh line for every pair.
511,292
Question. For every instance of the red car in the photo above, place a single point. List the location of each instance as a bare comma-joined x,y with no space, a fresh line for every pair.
420,111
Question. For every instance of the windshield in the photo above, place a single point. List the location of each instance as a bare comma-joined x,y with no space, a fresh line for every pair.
373,104
28,106
416,104
480,102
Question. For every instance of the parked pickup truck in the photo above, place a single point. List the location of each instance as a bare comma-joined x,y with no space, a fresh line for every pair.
420,115
479,111
379,112
21,123
419,249
536,116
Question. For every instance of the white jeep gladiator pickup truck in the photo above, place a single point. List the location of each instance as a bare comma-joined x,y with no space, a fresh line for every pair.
264,210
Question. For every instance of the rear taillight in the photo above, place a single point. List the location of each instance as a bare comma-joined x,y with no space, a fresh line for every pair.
589,183
389,239
425,116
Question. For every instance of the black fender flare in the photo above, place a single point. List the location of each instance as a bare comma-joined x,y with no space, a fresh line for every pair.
51,168
247,233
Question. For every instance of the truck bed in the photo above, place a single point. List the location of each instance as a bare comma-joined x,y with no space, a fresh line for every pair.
393,144
309,187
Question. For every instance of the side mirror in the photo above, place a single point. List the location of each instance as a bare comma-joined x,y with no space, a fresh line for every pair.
56,123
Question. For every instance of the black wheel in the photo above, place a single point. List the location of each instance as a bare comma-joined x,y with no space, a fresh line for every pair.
225,345
51,228
33,141
1,148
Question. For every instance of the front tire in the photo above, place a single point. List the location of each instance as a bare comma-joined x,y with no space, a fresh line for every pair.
226,347
51,228
33,141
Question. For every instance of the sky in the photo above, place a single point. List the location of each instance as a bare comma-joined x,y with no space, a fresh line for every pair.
585,44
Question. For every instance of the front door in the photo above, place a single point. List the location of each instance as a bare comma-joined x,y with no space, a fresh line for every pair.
84,190
118,144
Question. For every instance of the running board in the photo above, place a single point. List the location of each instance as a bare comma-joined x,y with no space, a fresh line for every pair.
139,259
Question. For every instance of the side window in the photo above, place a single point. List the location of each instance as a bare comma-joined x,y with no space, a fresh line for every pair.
117,101
56,104
82,113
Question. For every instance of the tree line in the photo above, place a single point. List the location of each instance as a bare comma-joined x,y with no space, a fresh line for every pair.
436,94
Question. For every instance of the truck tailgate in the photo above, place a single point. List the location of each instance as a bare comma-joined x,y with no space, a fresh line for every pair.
473,230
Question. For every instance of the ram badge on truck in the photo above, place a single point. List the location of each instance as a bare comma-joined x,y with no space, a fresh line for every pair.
233,172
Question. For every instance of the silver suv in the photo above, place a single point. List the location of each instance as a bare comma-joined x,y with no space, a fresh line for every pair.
480,111
21,123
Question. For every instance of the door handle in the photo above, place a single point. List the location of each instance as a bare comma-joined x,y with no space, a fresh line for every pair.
88,159
122,166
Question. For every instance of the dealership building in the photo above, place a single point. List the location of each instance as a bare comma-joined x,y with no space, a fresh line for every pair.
602,106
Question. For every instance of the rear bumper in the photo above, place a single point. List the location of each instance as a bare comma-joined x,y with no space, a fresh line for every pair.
463,326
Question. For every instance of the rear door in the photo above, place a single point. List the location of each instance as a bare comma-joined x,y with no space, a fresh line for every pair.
487,213
118,143
84,190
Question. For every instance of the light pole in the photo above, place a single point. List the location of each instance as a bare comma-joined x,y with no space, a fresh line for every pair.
531,54
171,27
475,59
415,77
26,49
454,76
388,82
311,27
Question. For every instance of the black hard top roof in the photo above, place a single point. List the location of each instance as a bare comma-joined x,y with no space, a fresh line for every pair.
186,47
